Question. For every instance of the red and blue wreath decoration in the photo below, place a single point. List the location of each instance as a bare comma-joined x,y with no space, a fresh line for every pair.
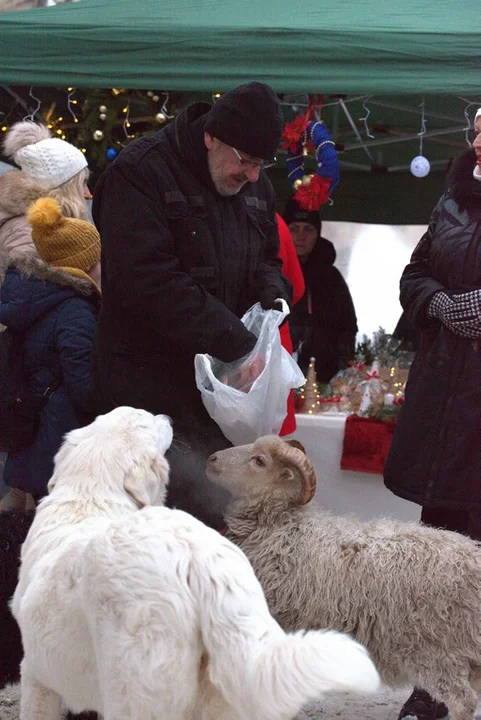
302,136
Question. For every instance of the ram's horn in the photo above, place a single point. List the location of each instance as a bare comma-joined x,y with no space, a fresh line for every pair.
297,444
297,457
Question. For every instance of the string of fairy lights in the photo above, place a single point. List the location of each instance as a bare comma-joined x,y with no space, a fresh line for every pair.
114,116
102,121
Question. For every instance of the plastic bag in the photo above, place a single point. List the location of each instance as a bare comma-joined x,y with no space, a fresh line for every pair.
258,407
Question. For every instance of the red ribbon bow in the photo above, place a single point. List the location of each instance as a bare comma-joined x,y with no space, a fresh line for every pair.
293,131
334,399
359,366
311,197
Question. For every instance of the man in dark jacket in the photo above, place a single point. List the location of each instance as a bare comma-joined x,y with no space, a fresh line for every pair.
323,323
435,455
189,242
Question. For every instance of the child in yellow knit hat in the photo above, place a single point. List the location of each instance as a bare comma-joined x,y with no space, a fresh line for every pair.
65,243
51,298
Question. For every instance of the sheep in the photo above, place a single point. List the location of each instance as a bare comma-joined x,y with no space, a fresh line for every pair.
410,593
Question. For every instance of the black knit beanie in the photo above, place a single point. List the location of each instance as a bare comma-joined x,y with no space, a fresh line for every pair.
248,118
293,213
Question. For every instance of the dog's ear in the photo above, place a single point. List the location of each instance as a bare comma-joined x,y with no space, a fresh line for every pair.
137,485
147,482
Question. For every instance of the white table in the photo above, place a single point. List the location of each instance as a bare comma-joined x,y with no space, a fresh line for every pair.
344,491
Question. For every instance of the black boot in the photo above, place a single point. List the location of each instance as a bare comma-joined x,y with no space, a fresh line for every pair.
421,706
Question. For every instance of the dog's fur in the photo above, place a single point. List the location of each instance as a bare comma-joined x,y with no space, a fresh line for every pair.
147,614
14,527
411,594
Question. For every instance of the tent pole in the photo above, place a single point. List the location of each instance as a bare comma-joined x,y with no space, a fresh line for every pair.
404,138
16,97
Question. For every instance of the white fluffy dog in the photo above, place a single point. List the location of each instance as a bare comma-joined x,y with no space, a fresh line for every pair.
148,614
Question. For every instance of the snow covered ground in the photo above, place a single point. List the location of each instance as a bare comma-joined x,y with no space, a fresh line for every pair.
384,705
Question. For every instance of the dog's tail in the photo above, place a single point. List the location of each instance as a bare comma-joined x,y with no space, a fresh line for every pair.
260,670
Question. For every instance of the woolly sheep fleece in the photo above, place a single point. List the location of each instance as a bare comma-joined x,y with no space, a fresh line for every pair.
411,594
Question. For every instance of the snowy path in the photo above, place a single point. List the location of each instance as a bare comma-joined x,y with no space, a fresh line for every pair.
384,705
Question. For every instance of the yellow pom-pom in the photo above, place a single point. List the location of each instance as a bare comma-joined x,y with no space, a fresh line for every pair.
44,213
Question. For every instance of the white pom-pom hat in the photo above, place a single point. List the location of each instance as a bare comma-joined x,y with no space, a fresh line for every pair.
50,162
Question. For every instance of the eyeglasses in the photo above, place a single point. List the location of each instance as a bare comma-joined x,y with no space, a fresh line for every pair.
252,163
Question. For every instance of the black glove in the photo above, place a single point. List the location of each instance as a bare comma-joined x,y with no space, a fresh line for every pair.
269,297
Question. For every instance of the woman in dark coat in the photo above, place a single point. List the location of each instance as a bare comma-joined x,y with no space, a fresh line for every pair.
435,456
323,323
54,304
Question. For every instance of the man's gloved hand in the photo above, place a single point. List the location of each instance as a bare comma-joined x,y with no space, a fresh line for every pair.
460,313
269,299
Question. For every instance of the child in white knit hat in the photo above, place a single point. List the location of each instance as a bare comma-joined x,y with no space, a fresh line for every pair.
48,166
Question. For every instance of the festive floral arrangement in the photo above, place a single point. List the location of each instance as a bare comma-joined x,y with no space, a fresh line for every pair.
372,386
376,391
304,135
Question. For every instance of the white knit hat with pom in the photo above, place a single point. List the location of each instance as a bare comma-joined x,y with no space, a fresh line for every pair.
49,161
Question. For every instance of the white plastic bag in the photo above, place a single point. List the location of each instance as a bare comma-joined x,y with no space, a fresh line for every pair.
259,408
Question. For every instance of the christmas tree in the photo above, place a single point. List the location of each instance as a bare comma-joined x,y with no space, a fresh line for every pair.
100,122
310,391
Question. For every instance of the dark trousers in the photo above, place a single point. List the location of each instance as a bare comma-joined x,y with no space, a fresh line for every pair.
189,489
461,521
466,523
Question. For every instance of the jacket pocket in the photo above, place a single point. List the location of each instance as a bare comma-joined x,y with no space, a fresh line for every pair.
259,218
194,247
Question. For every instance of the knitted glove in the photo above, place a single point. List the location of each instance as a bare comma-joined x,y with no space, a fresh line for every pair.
459,313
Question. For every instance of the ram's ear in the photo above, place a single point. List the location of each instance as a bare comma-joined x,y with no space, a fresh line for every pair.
295,443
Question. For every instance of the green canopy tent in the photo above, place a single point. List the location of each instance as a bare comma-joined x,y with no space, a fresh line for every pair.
355,46
358,48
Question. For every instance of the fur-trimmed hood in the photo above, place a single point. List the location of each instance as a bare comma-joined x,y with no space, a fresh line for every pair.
31,288
17,192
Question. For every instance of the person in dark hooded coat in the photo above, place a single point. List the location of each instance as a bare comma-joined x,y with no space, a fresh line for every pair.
52,300
435,455
323,323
